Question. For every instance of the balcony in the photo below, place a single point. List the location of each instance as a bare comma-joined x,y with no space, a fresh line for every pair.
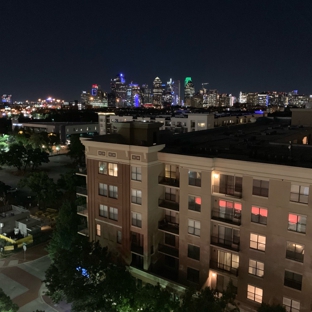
169,251
232,218
227,191
82,171
225,243
137,249
82,210
168,181
168,204
82,190
223,267
296,256
83,230
169,227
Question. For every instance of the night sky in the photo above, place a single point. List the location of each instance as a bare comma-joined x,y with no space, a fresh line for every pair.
59,48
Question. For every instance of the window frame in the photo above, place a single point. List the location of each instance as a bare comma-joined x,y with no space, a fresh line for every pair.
292,253
135,199
192,275
113,213
257,242
105,211
136,173
289,307
102,190
192,205
119,237
193,252
135,221
260,189
297,224
299,194
293,282
255,268
252,293
105,167
194,181
98,230
257,217
193,230
113,191
112,169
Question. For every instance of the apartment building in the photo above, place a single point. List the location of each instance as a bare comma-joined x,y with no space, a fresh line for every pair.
206,208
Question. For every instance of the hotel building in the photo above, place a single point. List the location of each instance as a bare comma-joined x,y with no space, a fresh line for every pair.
207,207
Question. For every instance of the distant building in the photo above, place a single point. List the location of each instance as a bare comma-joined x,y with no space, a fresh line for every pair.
189,91
119,90
157,92
96,98
242,97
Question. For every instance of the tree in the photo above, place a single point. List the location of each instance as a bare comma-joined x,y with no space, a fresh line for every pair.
6,304
44,187
68,182
4,139
3,192
271,308
86,276
65,233
76,149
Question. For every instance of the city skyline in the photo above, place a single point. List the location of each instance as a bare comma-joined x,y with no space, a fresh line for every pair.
65,47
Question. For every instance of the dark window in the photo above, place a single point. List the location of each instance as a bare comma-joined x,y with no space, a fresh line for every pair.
193,275
113,191
194,203
193,252
102,189
194,178
229,185
293,280
260,188
170,239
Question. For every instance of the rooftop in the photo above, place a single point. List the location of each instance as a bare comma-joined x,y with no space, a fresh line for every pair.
265,141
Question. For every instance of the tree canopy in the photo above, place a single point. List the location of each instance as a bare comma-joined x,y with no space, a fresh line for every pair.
76,150
6,304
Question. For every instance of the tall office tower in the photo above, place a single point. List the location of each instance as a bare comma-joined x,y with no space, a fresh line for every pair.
242,97
176,92
134,98
189,91
119,89
146,94
212,98
157,92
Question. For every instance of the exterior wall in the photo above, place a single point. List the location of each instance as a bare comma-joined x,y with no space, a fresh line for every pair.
276,231
301,117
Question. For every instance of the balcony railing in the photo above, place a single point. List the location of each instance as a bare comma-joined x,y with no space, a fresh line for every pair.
169,181
83,230
169,227
169,251
292,283
296,256
227,190
223,267
168,204
137,249
232,218
82,210
82,190
225,243
81,171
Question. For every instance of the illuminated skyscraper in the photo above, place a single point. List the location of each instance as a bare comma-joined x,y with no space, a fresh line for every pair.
189,90
157,92
119,89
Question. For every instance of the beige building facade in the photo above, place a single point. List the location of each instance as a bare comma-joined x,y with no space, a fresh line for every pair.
197,221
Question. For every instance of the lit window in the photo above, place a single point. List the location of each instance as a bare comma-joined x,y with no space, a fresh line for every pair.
104,211
299,194
257,242
254,293
194,227
259,215
113,169
136,197
256,268
136,173
98,230
102,167
194,203
291,305
297,223
294,252
136,219
228,210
